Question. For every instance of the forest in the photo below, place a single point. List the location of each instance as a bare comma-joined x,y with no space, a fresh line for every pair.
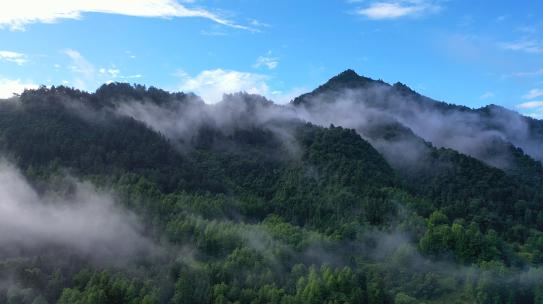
132,194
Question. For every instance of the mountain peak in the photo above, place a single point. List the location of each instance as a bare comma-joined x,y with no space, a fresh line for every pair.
349,76
346,79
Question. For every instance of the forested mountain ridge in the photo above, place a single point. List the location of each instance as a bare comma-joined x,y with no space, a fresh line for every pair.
339,197
395,116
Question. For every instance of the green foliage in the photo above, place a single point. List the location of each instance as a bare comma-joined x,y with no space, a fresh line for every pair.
239,219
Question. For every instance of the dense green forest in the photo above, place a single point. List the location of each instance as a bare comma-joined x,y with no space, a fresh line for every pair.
245,202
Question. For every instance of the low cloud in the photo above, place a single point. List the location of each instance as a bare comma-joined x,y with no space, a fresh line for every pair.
399,126
85,221
19,14
374,110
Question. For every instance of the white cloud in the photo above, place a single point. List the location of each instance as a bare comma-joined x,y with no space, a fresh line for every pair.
79,63
533,93
15,57
535,106
527,46
8,87
257,23
213,32
212,84
487,95
501,18
527,29
286,97
267,61
84,70
530,105
17,14
112,72
398,9
528,74
131,76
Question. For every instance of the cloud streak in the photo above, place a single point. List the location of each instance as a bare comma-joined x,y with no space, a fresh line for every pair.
525,74
19,14
84,70
533,93
14,57
487,95
527,46
397,9
530,105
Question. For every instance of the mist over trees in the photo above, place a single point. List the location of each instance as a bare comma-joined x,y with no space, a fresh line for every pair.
357,192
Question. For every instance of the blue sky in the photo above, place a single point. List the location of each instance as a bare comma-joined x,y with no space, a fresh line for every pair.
459,51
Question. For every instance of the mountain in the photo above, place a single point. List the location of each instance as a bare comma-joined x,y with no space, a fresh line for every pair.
357,192
499,137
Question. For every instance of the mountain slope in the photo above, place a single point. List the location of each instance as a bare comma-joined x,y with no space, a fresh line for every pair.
491,134
246,201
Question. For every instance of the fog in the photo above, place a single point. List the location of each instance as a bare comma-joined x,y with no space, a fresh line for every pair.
401,126
483,134
86,221
183,121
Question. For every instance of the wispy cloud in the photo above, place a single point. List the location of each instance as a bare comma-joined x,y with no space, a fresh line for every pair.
527,46
501,18
487,95
214,32
15,57
257,23
534,73
84,71
533,93
134,76
530,105
79,63
9,87
212,84
383,10
112,72
281,97
17,15
534,108
267,61
528,29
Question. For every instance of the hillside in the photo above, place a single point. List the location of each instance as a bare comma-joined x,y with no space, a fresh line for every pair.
357,192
